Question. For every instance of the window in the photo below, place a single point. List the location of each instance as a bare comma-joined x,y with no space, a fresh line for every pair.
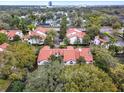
71,62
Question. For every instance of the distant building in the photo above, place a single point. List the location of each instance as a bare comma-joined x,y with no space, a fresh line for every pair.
74,34
101,41
12,33
50,3
37,36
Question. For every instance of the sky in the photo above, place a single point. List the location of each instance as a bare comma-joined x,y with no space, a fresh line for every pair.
62,2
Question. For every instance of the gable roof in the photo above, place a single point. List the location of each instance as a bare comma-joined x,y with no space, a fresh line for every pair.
3,31
4,46
68,53
85,52
74,32
12,33
37,33
41,29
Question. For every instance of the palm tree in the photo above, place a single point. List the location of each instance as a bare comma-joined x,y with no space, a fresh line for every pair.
31,27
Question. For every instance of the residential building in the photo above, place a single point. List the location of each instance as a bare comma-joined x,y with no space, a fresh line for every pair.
74,34
3,47
69,55
101,41
12,33
3,31
37,36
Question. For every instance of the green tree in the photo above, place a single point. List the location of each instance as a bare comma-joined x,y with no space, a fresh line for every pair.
15,21
93,19
85,78
66,41
31,27
117,74
21,23
43,18
93,31
52,58
23,26
104,60
81,60
3,38
116,25
55,58
105,20
46,78
4,25
17,86
24,54
114,49
32,16
5,20
112,38
63,27
16,38
50,39
86,39
9,68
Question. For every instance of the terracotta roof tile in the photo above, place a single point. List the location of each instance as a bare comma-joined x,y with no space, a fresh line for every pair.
12,33
3,31
4,46
69,53
41,29
73,32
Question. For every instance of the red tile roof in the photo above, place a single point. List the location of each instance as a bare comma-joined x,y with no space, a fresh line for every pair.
12,33
45,53
3,31
84,52
35,33
73,32
4,46
69,53
41,29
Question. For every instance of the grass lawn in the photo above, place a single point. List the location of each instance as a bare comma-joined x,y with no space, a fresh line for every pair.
4,84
